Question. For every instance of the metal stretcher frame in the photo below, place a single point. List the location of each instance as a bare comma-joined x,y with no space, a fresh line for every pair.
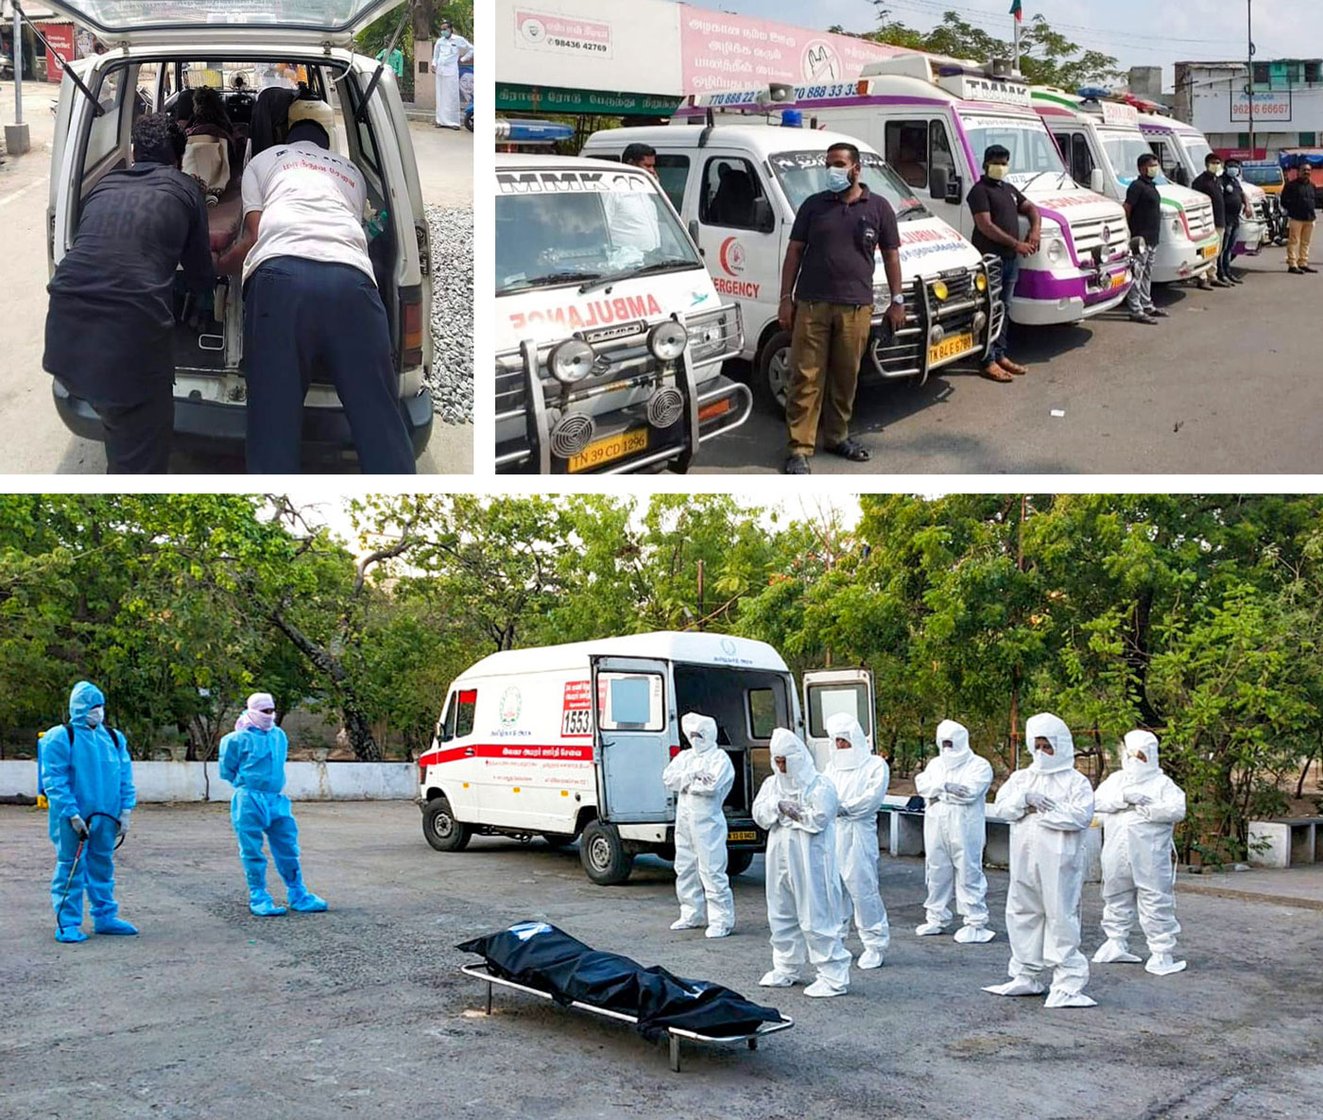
675,1034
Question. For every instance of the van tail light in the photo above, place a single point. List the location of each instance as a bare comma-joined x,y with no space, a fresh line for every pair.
422,772
675,750
411,328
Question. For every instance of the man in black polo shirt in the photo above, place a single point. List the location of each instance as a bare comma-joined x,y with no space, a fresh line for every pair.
110,325
827,297
1238,210
1210,184
996,207
1143,210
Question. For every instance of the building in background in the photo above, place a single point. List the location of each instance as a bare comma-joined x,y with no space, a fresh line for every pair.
1288,104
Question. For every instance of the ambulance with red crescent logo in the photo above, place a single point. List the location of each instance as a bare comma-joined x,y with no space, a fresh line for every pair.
738,187
569,742
610,335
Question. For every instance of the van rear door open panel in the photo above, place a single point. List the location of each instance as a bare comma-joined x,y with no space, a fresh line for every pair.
831,691
635,710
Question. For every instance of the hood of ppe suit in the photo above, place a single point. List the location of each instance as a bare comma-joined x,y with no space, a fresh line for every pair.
1047,726
959,736
800,770
257,718
243,723
1139,740
84,697
701,731
842,726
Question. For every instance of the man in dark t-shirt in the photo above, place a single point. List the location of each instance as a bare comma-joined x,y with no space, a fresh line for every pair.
1143,210
996,207
1210,184
110,324
827,299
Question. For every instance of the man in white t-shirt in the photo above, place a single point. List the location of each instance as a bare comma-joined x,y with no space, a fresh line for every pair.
311,302
632,215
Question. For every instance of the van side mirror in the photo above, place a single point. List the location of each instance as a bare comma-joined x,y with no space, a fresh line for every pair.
1181,176
955,190
764,221
939,183
1096,182
693,235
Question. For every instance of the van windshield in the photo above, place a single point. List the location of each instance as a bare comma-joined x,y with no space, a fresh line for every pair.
1197,148
804,173
610,224
1123,149
1033,153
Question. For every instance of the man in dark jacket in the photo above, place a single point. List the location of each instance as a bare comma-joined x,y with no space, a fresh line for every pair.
1300,202
110,325
1210,184
1143,212
1237,209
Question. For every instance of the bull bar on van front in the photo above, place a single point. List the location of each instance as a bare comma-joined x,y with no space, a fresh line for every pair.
656,400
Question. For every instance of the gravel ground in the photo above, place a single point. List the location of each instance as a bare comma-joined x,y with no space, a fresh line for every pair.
361,1011
452,312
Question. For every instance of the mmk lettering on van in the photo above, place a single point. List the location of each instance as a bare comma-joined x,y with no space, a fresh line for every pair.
593,313
564,182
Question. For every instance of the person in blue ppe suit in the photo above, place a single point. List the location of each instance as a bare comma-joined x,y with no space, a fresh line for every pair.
253,761
88,778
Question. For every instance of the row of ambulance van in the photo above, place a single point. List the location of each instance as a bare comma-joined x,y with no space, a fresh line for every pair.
611,346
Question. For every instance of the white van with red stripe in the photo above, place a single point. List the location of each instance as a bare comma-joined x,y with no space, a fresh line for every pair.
570,741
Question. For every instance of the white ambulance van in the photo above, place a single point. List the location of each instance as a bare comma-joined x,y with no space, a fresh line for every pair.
1101,142
610,337
570,741
1181,149
932,118
738,188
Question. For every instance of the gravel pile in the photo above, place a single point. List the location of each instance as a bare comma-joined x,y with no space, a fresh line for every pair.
451,381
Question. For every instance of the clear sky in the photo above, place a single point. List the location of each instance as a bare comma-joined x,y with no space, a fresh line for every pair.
1136,32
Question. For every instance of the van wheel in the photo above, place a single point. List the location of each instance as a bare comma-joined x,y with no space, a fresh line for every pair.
443,832
557,839
772,379
738,862
603,855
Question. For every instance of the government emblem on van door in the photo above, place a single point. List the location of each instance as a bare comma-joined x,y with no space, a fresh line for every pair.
512,704
728,647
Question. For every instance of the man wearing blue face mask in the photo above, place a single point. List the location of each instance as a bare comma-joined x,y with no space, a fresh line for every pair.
253,761
827,301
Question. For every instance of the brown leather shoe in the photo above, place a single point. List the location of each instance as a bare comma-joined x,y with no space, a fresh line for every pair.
993,372
1013,367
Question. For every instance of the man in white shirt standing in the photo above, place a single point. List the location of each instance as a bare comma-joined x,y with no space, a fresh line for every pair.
449,52
311,301
632,214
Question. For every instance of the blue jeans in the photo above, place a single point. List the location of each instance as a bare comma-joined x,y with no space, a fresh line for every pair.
1010,269
1224,254
302,317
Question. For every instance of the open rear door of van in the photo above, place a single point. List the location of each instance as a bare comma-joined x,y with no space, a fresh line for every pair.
632,738
829,691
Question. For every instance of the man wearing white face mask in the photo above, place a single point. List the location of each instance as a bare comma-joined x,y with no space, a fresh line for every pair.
860,778
253,762
449,52
955,787
1049,806
1140,805
701,778
797,806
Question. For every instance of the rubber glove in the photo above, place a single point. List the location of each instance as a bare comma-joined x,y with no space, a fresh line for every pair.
123,824
1133,797
789,809
1039,801
956,790
79,826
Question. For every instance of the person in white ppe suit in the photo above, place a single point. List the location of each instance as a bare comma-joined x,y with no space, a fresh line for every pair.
797,806
701,778
449,52
860,778
1139,806
954,786
1049,805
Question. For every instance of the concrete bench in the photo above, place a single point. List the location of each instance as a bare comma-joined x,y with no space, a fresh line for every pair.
1291,842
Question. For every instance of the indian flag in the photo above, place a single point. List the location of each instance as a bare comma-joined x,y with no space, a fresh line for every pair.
1016,11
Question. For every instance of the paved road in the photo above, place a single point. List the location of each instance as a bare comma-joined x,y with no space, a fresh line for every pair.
360,1011
1226,385
33,439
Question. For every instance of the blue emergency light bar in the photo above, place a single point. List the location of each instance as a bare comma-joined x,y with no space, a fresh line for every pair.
531,132
1093,93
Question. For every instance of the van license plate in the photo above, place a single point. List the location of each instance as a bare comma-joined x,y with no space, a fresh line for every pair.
1118,280
739,837
1208,251
608,450
951,347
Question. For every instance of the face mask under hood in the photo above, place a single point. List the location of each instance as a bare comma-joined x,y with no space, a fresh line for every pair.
1049,727
800,770
1137,742
842,726
701,731
84,697
958,736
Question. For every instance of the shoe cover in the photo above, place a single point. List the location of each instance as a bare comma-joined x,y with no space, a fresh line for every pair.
305,902
870,958
1161,964
929,929
820,989
1020,986
776,979
974,935
1058,998
116,927
687,923
1114,952
263,905
70,935
717,931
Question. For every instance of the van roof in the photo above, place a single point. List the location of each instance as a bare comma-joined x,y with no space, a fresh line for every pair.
764,139
1170,124
720,650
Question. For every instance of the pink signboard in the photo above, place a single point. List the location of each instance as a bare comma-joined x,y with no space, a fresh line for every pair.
722,51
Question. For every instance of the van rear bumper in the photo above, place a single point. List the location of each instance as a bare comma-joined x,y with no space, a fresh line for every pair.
207,426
